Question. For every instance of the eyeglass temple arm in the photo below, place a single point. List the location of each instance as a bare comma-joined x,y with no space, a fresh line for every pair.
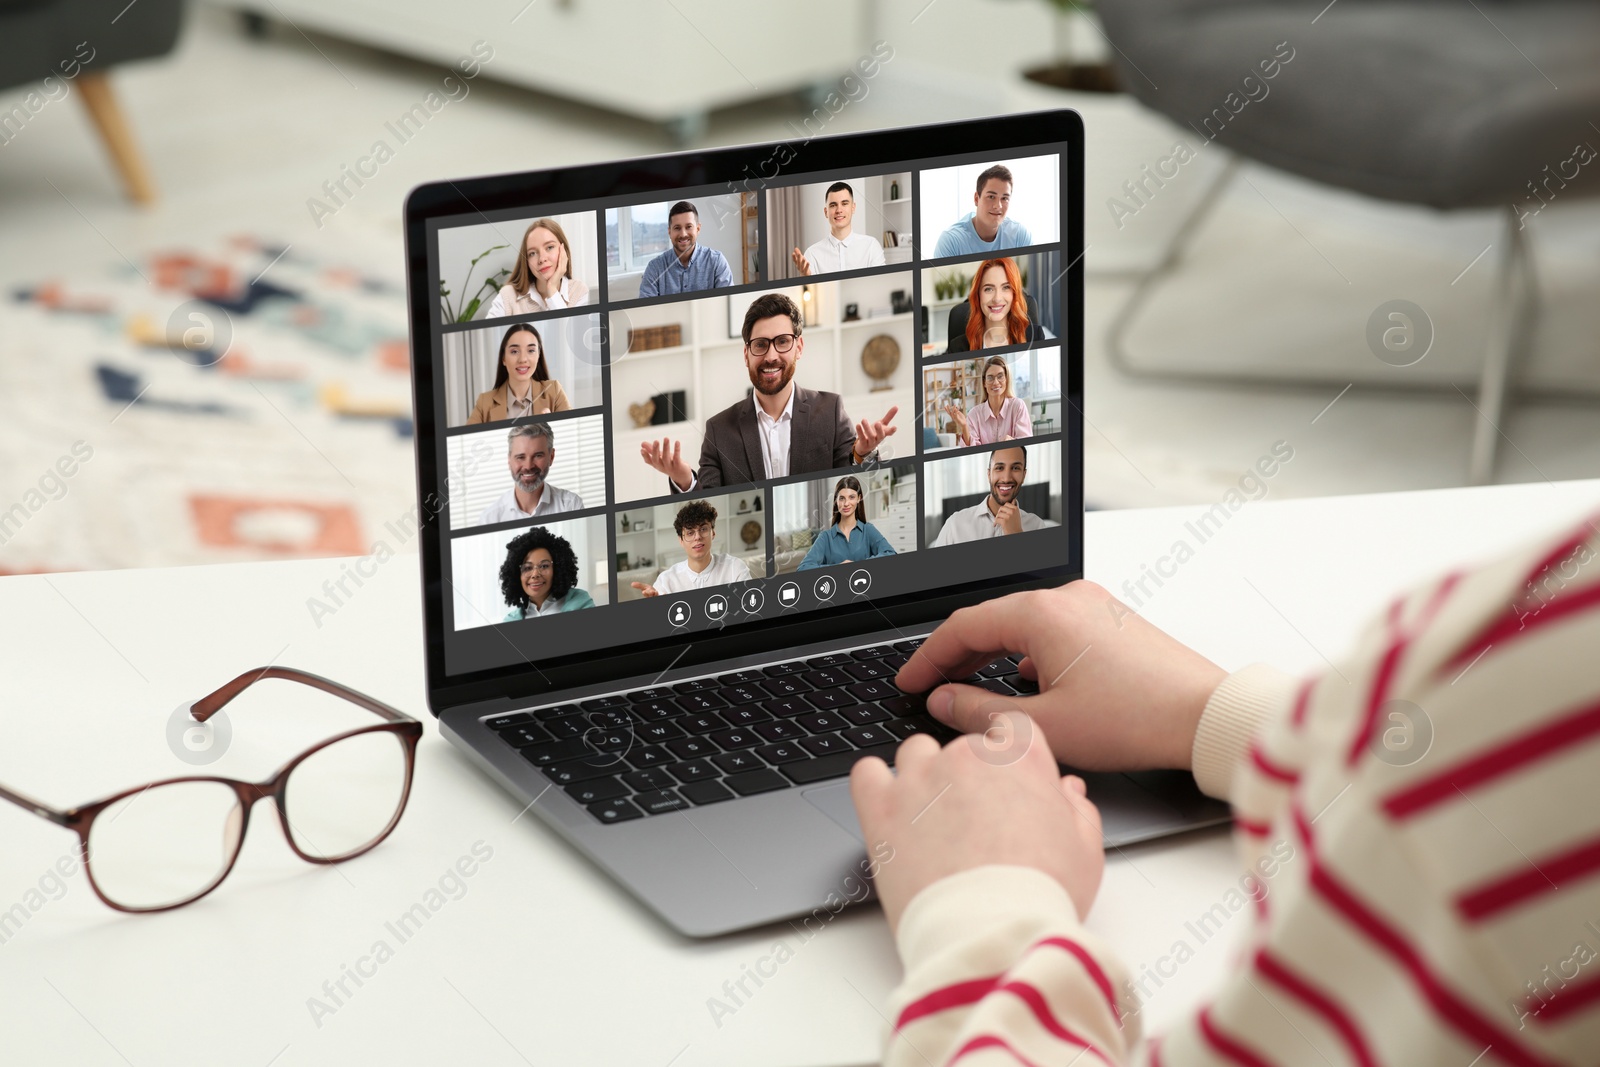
209,705
44,811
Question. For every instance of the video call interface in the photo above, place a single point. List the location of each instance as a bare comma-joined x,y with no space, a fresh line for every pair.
723,406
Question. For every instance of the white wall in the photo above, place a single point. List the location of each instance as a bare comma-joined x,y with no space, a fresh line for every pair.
476,560
460,244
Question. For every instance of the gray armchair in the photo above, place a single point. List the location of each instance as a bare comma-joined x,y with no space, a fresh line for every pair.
90,36
1452,106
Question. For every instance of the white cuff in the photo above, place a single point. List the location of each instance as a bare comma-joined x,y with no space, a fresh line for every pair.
1238,710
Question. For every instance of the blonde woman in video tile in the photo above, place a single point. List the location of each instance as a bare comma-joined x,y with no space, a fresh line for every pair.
1001,416
542,280
522,382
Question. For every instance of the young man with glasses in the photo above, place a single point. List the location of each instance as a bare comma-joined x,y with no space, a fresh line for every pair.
696,526
783,429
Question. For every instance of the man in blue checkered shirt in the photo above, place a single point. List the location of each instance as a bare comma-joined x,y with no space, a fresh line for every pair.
686,267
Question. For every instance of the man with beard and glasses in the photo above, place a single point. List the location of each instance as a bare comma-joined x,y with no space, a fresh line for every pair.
998,513
784,428
687,266
532,450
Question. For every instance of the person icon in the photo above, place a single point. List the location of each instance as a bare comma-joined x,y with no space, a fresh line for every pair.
680,614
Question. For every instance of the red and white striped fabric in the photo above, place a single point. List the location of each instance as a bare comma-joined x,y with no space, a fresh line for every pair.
1428,906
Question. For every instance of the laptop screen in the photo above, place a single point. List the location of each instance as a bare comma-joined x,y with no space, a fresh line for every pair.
657,418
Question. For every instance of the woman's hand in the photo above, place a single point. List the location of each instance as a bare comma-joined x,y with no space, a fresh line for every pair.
963,428
1116,693
943,811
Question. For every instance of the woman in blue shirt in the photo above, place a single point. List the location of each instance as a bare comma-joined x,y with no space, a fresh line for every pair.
850,539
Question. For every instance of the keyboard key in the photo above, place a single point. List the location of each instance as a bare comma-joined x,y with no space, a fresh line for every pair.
788,707
833,659
649,756
783,752
566,726
600,789
786,687
875,652
831,698
555,711
822,722
505,722
743,716
862,714
656,732
1022,685
824,744
868,736
617,741
738,762
617,810
998,669
699,685
659,801
604,703
702,702
584,770
553,752
905,704
648,781
879,690
779,730
866,672
904,728
609,719
736,739
751,782
527,734
826,678
896,661
824,767
744,694
702,724
740,677
654,693
699,770
688,748
910,646
655,710
705,792
994,685
778,670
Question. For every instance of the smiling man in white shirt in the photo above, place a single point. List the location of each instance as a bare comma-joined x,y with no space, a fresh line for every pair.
531,450
842,249
998,513
696,526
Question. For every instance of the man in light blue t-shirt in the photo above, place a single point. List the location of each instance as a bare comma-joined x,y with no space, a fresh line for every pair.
986,228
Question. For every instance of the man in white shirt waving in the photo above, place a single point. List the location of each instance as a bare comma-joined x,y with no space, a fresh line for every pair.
998,513
842,249
696,526
532,448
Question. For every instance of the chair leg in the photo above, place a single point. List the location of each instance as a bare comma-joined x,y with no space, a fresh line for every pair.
1510,330
101,102
1116,333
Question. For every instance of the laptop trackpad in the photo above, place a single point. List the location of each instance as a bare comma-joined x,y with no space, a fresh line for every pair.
834,802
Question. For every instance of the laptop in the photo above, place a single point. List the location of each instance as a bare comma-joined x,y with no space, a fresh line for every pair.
701,460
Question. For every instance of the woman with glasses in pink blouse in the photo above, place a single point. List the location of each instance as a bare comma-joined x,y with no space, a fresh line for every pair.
1000,416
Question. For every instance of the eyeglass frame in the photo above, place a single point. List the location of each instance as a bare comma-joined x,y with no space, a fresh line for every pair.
80,819
750,345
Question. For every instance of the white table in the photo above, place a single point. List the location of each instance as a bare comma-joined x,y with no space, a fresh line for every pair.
543,960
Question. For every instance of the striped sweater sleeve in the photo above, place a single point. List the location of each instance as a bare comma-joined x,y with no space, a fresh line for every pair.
1422,822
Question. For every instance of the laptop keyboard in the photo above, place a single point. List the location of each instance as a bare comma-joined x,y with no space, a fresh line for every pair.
667,748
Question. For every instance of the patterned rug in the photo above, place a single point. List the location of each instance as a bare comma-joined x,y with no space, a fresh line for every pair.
203,405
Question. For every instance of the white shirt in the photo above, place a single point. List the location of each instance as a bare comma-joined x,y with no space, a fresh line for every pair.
775,435
857,250
563,297
722,570
975,524
551,501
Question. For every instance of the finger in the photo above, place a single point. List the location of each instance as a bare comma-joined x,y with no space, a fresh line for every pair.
637,585
1028,669
967,640
889,417
870,783
971,709
914,754
1086,810
1071,783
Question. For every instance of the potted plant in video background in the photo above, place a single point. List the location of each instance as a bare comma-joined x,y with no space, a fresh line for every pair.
1078,63
491,285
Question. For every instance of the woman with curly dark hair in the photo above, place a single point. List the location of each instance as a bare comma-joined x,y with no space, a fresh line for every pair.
540,576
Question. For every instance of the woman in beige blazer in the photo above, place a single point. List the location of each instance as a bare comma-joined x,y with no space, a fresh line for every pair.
522,382
542,279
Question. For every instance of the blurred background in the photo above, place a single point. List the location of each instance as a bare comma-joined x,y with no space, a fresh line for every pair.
1362,229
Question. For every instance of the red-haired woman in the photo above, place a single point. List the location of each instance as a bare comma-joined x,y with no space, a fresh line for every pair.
997,311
